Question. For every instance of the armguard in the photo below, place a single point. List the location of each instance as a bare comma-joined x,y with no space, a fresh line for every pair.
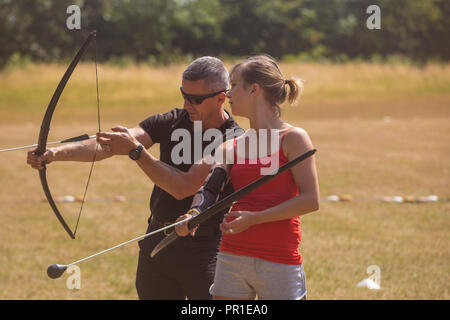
211,190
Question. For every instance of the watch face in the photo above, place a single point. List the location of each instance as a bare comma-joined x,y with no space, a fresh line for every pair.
134,154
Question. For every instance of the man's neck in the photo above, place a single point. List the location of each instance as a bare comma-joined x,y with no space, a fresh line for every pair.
217,121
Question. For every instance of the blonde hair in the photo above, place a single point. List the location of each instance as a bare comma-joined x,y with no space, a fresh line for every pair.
264,70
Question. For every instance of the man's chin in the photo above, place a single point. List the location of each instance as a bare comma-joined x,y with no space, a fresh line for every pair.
193,117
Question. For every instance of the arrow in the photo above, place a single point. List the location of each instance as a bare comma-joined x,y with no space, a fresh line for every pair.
74,139
55,271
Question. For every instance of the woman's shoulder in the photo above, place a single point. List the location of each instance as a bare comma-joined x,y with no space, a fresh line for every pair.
292,133
296,141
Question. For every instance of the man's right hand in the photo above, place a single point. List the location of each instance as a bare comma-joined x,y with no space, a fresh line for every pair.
36,161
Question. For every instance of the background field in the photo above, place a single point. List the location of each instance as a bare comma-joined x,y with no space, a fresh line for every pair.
381,130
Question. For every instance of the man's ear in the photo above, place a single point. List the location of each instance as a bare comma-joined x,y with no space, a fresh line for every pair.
221,97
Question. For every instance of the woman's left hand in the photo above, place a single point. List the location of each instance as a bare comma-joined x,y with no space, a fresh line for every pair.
243,220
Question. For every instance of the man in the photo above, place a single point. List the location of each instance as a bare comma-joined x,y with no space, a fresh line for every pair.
204,86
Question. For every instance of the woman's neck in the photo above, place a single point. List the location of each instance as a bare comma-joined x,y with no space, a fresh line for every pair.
264,117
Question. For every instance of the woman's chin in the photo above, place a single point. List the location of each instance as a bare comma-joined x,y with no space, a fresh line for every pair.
234,110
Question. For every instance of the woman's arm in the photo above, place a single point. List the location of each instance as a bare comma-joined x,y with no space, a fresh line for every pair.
296,142
206,196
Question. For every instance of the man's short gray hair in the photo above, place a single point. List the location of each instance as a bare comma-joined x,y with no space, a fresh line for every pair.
211,69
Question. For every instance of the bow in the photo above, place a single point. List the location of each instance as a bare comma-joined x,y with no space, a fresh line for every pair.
45,127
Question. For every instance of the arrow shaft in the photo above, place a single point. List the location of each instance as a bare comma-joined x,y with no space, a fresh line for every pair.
130,241
80,138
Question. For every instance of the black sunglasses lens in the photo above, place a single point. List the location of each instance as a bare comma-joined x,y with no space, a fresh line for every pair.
193,100
196,100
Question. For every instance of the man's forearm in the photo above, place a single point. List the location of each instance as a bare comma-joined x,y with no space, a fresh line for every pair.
82,151
165,176
174,181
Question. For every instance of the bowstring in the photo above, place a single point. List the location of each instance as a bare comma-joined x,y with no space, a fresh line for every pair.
97,144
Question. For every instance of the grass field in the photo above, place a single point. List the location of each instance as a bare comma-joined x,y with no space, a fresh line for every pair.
380,130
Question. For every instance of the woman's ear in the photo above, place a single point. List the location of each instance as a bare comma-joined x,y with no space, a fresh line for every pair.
254,88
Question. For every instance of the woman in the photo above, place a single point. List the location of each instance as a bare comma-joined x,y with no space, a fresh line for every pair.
259,253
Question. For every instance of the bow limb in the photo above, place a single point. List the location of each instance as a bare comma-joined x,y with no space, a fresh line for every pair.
45,128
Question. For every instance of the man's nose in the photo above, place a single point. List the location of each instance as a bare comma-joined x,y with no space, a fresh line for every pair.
187,105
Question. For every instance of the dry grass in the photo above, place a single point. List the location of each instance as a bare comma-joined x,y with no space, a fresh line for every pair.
361,152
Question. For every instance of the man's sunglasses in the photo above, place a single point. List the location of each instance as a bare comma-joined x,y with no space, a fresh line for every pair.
198,99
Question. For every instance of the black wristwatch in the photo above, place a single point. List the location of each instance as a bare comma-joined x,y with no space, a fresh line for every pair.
136,153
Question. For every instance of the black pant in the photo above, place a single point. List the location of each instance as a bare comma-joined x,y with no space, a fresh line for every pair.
184,269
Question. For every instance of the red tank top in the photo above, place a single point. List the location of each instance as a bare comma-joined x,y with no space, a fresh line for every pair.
276,241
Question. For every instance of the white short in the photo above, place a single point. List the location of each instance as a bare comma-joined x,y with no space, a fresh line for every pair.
245,277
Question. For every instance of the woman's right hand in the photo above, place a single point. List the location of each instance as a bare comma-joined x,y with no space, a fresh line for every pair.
182,229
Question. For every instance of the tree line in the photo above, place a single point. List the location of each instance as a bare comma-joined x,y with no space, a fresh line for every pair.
165,31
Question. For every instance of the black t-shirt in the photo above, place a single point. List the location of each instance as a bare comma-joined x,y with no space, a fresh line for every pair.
164,206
